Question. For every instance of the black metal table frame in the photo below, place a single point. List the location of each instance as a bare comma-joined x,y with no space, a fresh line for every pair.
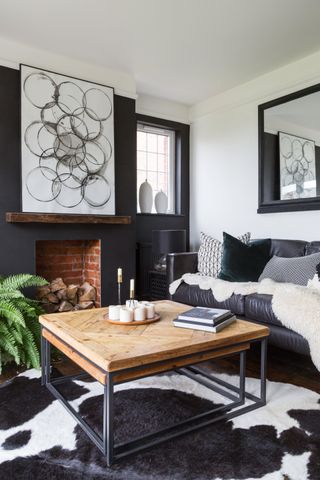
236,407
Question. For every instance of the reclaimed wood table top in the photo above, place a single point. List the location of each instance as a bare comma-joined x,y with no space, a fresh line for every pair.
115,347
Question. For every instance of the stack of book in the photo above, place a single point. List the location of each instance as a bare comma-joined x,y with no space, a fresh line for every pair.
207,319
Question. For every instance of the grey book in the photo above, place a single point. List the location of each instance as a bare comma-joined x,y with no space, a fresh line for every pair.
204,327
210,316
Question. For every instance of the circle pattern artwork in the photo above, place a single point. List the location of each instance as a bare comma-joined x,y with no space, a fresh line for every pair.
68,141
297,157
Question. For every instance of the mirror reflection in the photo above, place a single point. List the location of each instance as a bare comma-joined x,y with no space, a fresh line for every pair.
292,145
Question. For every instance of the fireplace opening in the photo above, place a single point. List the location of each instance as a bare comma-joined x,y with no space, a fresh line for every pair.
78,264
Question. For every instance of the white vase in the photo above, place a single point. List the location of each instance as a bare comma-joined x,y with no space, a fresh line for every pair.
161,202
145,197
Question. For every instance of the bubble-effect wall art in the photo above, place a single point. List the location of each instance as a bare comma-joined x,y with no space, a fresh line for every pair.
297,167
67,144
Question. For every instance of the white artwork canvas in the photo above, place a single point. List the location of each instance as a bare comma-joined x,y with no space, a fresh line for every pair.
297,167
67,136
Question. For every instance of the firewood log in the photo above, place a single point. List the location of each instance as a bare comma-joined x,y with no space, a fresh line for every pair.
72,291
50,307
65,306
52,298
84,306
87,293
57,284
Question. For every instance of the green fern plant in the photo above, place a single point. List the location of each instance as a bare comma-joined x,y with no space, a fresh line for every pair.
19,326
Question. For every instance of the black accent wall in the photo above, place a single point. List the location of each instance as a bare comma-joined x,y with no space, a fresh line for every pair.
118,242
17,241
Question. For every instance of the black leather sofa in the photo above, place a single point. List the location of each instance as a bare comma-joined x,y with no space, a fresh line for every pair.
254,307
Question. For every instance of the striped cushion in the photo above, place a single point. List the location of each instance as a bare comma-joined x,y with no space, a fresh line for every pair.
210,254
297,270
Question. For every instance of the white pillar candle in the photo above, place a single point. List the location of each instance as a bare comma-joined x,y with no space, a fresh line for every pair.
114,312
126,315
139,313
150,310
132,303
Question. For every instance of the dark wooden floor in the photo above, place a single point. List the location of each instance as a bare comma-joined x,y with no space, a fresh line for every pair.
283,366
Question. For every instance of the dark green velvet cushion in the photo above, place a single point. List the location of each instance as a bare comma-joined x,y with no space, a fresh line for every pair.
241,262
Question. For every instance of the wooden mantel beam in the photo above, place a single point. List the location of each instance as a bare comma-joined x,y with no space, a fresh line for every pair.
20,217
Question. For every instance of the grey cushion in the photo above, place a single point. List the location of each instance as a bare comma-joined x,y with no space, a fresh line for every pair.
296,270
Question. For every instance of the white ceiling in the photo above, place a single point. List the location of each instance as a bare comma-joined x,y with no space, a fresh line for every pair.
182,50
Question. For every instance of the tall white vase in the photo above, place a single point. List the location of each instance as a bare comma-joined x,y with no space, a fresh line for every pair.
161,202
145,197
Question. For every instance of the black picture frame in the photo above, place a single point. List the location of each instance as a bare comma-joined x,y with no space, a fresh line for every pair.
268,172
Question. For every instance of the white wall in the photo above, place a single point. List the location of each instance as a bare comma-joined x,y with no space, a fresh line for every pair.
161,108
13,53
224,159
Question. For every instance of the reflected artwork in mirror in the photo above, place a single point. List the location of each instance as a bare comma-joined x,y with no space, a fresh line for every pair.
297,167
289,152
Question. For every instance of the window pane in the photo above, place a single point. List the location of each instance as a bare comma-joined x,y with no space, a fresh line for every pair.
162,143
163,182
162,163
152,143
153,180
141,176
141,160
141,140
152,162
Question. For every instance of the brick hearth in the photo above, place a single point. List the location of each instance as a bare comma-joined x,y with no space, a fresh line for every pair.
76,261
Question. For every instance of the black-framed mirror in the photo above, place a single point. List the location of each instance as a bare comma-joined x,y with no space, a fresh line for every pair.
289,152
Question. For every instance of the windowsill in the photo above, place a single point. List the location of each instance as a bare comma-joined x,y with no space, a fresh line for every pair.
160,214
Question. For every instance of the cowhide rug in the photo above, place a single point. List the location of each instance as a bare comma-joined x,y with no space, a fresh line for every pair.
40,440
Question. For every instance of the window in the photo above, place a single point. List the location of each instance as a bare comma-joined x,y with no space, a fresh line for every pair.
156,161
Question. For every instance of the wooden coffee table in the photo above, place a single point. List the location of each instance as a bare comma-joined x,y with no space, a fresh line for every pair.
114,354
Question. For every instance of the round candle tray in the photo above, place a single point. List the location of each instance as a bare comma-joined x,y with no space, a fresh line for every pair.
135,322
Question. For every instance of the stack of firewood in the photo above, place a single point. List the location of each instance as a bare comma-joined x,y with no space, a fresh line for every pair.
59,297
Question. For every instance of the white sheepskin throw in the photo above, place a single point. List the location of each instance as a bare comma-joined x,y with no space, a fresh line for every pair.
297,307
221,289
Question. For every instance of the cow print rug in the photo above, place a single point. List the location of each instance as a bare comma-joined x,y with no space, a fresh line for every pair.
40,440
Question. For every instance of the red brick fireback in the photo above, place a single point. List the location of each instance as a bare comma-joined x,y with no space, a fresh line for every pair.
76,261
